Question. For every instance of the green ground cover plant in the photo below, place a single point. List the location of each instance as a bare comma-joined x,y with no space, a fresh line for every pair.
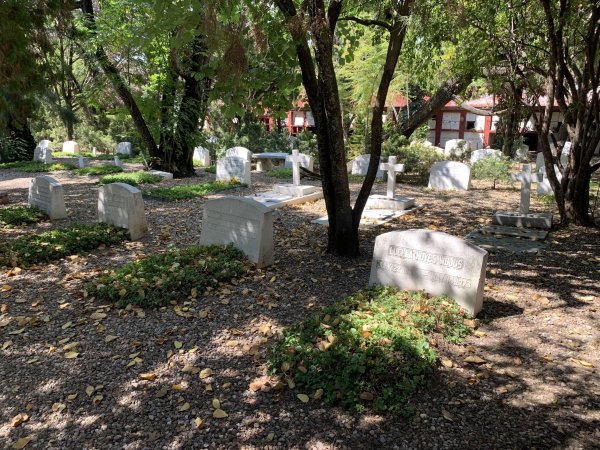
56,244
36,166
172,275
132,178
211,169
279,173
104,169
370,348
19,215
186,191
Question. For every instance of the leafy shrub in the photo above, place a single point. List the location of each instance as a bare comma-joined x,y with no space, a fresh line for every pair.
190,190
372,346
36,166
12,149
172,275
132,178
306,141
52,245
211,169
104,169
19,215
279,173
495,169
416,157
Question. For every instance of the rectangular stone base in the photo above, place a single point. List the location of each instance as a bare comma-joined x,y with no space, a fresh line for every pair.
294,191
274,200
165,175
373,218
517,219
398,203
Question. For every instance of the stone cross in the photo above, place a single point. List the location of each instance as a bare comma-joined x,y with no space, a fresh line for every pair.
391,167
526,177
296,159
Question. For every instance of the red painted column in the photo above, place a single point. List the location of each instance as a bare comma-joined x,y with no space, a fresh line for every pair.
462,124
487,128
290,122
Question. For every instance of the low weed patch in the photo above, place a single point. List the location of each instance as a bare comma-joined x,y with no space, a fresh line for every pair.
172,275
132,178
190,190
211,169
19,215
104,169
279,173
36,166
372,348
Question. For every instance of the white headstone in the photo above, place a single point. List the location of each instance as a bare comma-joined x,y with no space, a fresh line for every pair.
124,148
564,155
543,186
526,177
44,143
37,153
240,152
456,147
243,222
436,262
47,194
81,162
360,165
203,155
306,161
233,167
447,175
122,205
40,150
162,174
46,155
70,147
118,161
93,151
478,155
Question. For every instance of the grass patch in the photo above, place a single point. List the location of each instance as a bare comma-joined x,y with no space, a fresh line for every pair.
370,348
132,178
190,190
19,215
56,244
211,169
279,173
104,169
172,275
36,166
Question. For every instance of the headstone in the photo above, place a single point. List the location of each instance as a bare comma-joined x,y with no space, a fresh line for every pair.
295,189
44,143
456,147
564,155
37,153
543,186
124,148
447,175
239,152
70,147
93,151
160,173
478,155
47,194
118,161
40,150
360,165
122,205
46,155
233,167
436,262
203,155
390,201
306,161
81,162
245,223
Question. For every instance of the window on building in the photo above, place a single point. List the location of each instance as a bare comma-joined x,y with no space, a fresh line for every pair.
470,125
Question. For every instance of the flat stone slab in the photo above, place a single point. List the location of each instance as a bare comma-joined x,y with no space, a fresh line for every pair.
160,173
373,218
294,191
398,203
517,219
274,200
523,233
495,243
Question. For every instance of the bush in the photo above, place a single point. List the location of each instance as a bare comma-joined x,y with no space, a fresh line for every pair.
12,149
19,215
416,157
279,173
132,178
370,347
190,190
36,166
306,141
493,169
56,244
173,275
211,169
104,169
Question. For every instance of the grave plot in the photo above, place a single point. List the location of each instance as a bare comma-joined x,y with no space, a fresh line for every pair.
47,194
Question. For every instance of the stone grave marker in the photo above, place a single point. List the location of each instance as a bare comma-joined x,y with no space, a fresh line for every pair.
543,186
118,161
47,194
456,147
390,200
162,174
46,155
360,165
124,148
93,151
478,155
233,167
436,262
240,152
121,204
203,155
70,147
243,222
446,175
295,189
306,161
81,161
564,155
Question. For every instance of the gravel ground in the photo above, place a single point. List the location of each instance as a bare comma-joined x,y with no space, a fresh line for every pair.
538,338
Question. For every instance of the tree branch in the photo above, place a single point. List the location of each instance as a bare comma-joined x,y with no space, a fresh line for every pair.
367,22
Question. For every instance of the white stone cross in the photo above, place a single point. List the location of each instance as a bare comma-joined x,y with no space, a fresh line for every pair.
526,177
391,167
296,159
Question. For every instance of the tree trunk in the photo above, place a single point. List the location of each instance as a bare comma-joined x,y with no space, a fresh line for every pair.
577,198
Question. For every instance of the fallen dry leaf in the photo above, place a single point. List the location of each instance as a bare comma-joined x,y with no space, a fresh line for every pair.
18,420
184,407
303,398
366,396
474,359
21,443
148,376
448,415
205,373
219,414
199,423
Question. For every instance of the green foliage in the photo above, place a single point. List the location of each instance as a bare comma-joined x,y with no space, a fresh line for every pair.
185,191
211,169
373,343
279,173
56,244
132,178
175,274
36,166
104,169
12,149
416,156
306,142
18,215
494,169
